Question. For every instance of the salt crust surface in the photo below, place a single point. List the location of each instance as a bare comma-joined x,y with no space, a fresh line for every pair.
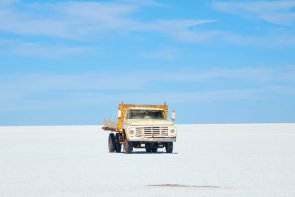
208,160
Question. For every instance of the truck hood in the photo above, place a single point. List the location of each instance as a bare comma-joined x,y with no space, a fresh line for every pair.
140,122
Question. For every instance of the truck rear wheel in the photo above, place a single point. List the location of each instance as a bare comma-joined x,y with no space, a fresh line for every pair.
112,143
118,144
128,147
169,147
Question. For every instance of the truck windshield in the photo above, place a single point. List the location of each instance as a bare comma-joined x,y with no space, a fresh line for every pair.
146,114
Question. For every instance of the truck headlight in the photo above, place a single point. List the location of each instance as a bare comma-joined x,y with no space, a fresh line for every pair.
131,132
172,131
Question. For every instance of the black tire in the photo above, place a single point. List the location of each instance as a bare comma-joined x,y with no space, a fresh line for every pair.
118,144
154,150
112,143
128,146
169,147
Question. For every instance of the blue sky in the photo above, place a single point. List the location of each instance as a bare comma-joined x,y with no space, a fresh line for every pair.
72,62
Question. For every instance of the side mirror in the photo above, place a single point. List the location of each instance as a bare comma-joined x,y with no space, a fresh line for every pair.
173,115
119,114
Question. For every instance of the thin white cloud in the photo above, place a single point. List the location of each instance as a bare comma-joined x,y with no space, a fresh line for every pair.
68,100
29,83
66,20
77,20
101,81
87,21
62,91
40,49
168,54
51,51
193,97
181,29
278,12
90,20
283,38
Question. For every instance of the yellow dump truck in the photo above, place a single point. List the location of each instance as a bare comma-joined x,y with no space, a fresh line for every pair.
141,126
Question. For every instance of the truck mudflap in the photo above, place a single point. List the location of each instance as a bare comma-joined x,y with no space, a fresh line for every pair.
140,139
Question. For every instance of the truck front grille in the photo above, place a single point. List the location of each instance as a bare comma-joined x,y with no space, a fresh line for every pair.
150,132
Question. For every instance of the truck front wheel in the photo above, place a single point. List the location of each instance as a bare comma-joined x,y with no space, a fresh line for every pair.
169,147
112,143
118,144
128,147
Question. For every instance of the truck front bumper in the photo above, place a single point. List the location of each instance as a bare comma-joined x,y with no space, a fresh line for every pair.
141,139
